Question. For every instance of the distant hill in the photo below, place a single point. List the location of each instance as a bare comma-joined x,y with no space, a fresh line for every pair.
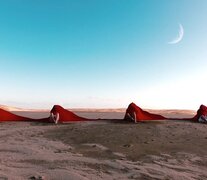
164,112
97,110
11,108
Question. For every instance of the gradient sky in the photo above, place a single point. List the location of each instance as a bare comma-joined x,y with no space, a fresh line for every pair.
103,53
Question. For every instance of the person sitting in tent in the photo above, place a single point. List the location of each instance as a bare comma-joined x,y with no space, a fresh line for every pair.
136,114
60,115
201,115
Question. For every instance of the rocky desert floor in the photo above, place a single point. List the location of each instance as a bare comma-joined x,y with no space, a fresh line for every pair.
104,149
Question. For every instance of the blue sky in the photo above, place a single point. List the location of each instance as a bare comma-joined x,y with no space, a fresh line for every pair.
103,53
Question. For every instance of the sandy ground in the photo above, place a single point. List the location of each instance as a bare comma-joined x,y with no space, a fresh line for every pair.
110,149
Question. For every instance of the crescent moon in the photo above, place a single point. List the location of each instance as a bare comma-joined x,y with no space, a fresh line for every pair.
179,37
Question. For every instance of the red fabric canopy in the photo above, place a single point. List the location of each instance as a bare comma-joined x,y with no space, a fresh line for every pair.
64,115
137,114
8,116
202,111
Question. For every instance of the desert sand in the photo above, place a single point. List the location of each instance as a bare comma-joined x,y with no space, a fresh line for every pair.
105,149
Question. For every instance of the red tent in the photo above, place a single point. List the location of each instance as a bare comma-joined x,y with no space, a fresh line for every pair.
59,114
201,115
202,111
137,114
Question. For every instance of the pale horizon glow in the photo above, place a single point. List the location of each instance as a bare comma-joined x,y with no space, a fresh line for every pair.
179,91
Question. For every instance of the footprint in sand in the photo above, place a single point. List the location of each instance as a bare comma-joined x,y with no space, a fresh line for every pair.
99,146
63,150
37,178
127,145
